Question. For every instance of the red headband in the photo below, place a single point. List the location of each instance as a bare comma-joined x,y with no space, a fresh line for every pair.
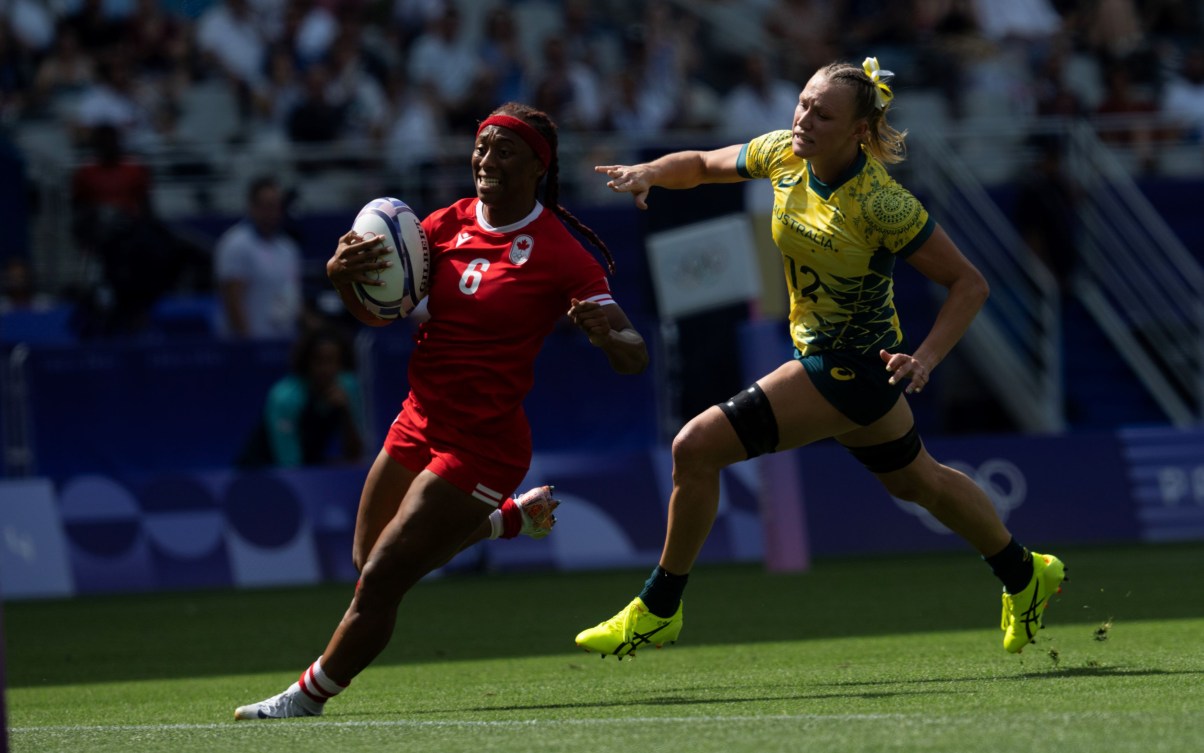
534,138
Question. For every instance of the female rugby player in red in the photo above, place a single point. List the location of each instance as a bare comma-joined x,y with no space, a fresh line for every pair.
504,270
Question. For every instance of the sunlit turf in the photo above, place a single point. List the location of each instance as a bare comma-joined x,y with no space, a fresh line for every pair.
879,654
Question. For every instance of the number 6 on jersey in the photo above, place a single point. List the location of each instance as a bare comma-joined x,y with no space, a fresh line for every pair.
471,279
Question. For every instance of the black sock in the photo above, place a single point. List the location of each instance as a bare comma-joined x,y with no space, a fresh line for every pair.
662,591
1013,566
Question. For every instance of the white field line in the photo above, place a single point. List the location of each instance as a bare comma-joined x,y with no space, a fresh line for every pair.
310,723
268,724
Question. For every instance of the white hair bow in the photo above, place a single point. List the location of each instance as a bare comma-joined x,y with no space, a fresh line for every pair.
882,91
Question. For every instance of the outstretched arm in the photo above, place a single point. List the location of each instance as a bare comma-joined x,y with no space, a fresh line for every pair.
675,170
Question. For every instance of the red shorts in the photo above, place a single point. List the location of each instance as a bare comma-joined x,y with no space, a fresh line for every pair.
489,465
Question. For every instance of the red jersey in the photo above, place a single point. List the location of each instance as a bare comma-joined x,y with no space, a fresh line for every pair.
124,185
495,294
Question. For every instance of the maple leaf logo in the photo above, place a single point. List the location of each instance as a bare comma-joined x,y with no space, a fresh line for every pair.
520,249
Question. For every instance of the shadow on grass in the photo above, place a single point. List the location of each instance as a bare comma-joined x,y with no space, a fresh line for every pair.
1052,673
210,633
646,701
1057,672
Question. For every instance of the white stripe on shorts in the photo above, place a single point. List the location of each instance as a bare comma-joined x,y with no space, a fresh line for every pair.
487,495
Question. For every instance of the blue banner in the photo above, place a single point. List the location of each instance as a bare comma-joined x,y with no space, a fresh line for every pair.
1166,480
1061,489
169,531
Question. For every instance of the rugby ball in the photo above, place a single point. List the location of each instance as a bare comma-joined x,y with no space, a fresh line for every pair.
407,281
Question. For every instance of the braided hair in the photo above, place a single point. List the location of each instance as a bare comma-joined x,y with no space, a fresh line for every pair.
541,122
882,140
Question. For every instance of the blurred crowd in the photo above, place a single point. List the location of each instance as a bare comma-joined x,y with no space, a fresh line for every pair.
402,73
125,82
117,89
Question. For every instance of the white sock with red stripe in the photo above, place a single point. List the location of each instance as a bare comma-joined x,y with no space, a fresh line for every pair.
315,687
506,521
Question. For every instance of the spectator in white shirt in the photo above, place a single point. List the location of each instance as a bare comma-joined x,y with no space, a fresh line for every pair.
258,270
1183,97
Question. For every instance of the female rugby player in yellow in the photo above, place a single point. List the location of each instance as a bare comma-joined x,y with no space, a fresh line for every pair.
840,222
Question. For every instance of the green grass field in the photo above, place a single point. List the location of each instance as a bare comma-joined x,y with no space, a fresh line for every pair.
872,654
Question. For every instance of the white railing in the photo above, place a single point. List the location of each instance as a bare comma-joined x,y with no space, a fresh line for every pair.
1015,340
1139,282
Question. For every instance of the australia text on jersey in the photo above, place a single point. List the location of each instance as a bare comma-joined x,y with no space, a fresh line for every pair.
819,239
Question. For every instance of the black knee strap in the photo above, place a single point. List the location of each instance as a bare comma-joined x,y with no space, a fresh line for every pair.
892,455
752,417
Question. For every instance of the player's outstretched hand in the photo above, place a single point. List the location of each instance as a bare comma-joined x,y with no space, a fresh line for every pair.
592,320
630,179
904,366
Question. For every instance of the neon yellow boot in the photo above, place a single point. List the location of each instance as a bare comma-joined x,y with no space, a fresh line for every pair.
630,629
1024,613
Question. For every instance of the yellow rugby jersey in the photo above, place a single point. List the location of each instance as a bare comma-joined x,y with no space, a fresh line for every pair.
839,242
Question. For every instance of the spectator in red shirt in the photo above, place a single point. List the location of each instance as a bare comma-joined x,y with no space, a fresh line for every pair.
111,186
114,224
